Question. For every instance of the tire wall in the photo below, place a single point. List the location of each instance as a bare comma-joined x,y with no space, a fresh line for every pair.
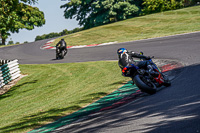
9,70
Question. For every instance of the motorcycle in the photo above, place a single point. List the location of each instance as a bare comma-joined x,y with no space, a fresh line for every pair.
60,53
144,79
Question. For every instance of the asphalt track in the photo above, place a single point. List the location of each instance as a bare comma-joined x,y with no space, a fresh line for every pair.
172,110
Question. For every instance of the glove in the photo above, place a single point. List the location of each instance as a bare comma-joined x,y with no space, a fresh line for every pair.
148,57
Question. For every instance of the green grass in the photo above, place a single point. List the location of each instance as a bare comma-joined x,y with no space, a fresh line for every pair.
8,45
155,25
54,90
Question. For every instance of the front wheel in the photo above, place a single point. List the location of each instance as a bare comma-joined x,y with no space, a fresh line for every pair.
62,54
144,85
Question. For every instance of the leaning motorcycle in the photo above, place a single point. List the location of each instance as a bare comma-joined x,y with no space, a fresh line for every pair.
144,79
60,53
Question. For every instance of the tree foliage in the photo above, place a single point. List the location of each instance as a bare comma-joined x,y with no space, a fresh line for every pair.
91,13
54,34
153,6
191,2
15,15
10,42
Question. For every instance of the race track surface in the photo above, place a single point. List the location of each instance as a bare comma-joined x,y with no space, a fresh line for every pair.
171,110
184,48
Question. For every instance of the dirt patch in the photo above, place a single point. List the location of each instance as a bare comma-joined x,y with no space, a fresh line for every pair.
7,87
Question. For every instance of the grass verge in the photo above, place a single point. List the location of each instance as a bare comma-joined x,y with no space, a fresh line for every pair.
54,90
8,45
150,26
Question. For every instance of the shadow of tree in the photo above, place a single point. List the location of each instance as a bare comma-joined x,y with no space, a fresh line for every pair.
158,105
97,95
106,101
14,88
172,110
90,97
37,119
119,83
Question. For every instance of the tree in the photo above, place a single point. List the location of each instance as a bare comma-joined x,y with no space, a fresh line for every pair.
153,6
91,13
10,42
16,15
64,32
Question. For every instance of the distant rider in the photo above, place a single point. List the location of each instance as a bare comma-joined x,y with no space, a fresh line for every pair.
126,61
62,45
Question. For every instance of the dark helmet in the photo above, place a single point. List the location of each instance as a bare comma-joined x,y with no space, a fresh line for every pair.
121,51
62,39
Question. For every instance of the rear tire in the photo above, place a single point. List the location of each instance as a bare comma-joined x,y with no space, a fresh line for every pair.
149,88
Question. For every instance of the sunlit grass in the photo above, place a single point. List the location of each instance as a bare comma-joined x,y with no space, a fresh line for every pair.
54,90
155,25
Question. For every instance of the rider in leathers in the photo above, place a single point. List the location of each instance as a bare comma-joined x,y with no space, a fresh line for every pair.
126,60
62,45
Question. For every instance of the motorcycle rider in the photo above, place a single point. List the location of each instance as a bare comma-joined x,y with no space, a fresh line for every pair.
126,61
62,45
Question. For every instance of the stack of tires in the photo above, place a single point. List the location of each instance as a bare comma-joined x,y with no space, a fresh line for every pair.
9,70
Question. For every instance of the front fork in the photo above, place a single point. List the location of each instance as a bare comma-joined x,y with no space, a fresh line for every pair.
160,78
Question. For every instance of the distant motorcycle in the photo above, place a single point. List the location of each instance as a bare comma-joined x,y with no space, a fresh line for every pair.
144,79
60,53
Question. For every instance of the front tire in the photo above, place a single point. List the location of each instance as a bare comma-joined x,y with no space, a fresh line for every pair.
57,53
143,85
62,54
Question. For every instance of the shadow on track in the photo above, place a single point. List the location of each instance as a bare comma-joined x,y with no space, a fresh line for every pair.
174,109
162,112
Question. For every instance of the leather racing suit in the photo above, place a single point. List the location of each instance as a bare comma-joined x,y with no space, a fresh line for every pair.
62,45
127,59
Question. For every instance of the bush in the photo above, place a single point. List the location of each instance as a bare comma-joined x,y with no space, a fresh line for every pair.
190,2
153,6
53,34
26,42
10,42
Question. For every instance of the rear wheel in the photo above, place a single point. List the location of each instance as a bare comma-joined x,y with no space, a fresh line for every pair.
144,84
